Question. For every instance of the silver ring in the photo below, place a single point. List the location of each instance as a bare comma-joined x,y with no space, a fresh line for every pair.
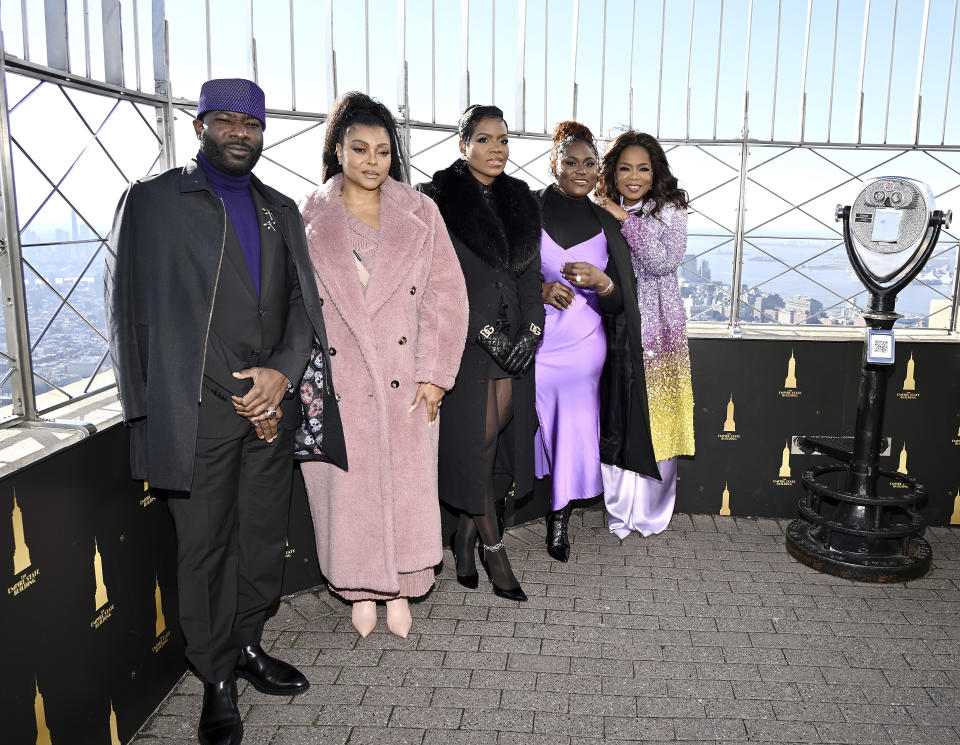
271,413
577,279
558,298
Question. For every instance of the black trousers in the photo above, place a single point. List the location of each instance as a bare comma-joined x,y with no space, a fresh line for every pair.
231,536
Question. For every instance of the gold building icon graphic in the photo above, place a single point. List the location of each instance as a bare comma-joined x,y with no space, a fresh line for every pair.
100,597
902,467
791,381
114,735
161,624
909,384
730,425
955,517
43,732
785,462
21,553
725,503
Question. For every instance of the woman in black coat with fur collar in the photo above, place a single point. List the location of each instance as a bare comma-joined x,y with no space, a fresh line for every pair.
489,420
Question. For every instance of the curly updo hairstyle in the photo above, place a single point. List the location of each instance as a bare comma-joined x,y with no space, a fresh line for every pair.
664,189
358,108
564,135
472,116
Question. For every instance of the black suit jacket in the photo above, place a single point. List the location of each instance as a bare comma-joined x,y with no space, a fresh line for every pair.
165,255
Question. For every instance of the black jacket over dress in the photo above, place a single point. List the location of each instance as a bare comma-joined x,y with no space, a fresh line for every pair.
165,263
625,439
498,243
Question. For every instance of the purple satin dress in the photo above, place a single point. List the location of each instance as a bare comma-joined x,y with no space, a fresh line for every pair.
569,363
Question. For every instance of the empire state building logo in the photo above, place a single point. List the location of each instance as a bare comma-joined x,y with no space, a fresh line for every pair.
43,732
21,553
790,389
101,602
909,390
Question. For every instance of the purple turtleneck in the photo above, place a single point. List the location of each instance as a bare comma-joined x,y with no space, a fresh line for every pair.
235,193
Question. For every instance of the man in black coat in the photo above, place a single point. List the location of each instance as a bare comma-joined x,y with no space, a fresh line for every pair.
211,310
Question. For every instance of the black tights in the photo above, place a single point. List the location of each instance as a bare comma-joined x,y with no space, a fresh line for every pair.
499,414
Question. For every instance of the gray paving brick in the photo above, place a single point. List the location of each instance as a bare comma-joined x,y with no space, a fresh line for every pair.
773,731
437,678
465,736
384,735
721,730
287,735
507,680
603,705
852,734
476,660
397,696
579,725
536,701
916,735
421,717
467,698
538,663
509,720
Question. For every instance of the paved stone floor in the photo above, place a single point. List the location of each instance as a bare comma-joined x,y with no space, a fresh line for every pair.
707,632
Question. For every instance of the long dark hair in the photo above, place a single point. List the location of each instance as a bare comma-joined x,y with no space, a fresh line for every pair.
664,189
564,135
358,108
472,116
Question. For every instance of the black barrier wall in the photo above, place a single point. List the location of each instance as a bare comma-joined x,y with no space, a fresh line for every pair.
89,615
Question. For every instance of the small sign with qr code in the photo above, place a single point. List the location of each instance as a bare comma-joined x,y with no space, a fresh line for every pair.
880,347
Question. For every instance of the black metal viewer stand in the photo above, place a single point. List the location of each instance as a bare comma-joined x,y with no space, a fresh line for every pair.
846,526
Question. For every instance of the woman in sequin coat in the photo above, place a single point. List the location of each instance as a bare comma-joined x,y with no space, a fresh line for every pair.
638,188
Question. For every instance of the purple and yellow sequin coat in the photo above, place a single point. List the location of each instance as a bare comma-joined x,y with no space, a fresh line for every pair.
657,245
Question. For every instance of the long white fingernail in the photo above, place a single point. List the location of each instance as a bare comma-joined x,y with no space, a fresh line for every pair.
432,421
412,407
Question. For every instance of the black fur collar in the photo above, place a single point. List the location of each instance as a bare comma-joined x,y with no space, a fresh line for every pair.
504,232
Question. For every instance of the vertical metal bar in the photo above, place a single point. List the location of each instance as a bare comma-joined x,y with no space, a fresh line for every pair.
403,92
803,78
946,101
401,54
493,50
893,49
161,74
833,66
206,4
86,38
693,16
366,45
136,42
739,229
112,42
331,58
603,63
663,27
575,34
633,38
776,71
464,54
433,61
716,87
55,23
293,63
25,30
863,63
921,60
521,91
746,72
252,60
11,274
546,59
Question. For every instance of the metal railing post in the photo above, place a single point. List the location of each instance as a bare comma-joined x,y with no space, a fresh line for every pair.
11,274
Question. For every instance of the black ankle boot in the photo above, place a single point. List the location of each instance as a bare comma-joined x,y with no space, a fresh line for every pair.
558,543
220,722
268,674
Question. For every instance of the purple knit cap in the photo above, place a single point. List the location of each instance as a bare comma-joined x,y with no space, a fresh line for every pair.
232,94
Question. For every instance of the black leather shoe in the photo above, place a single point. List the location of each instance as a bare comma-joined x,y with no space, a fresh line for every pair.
220,722
515,593
471,581
511,593
268,674
558,544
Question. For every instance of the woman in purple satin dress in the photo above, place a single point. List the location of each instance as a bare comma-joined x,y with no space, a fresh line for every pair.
570,359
